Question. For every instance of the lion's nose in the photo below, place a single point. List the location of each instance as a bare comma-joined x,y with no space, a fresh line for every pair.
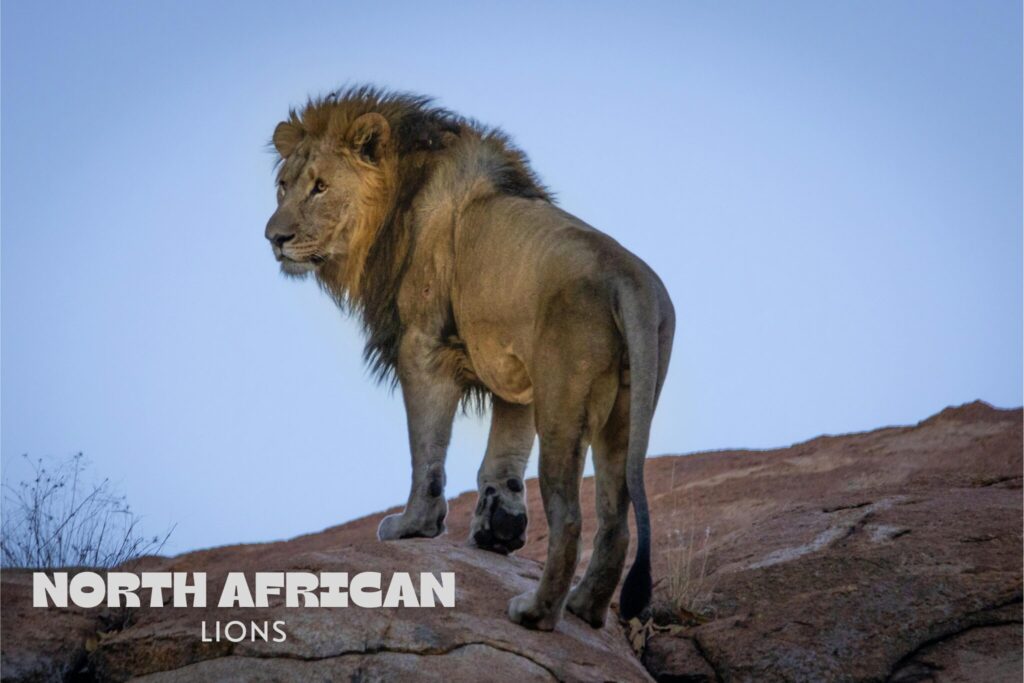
280,228
280,240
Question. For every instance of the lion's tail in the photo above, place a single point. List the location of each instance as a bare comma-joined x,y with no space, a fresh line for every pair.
639,322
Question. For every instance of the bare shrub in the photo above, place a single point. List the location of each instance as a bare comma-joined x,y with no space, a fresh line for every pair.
57,519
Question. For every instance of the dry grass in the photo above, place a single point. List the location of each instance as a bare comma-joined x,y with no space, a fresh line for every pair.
688,586
57,519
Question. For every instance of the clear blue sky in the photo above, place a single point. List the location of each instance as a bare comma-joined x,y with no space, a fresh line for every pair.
831,192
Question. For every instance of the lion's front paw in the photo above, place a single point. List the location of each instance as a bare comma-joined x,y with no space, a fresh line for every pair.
394,527
390,528
525,610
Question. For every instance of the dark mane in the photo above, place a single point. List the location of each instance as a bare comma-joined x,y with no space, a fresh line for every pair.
421,132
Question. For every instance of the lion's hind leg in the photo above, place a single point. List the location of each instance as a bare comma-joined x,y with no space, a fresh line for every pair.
563,430
570,407
590,598
562,450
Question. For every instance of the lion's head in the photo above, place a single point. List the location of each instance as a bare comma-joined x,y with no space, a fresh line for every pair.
332,188
355,165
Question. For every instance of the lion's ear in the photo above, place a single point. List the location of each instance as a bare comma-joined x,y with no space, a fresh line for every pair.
287,137
369,136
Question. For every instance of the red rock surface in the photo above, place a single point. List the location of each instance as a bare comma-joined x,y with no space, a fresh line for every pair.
893,554
472,641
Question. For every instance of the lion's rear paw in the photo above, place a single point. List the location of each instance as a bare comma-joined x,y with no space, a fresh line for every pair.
582,605
526,611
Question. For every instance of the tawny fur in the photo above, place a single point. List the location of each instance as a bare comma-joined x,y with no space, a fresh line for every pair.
470,282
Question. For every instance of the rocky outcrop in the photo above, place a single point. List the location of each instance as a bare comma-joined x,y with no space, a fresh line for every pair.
472,641
888,555
894,554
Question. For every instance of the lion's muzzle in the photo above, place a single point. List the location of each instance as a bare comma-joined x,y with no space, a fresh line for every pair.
281,229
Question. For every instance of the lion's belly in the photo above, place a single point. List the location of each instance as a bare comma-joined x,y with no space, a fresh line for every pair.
501,370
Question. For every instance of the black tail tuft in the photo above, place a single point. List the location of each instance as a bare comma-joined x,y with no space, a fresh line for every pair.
636,589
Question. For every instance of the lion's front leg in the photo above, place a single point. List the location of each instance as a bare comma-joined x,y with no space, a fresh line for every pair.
431,399
499,520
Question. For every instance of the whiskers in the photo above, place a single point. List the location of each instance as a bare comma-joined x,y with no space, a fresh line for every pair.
308,252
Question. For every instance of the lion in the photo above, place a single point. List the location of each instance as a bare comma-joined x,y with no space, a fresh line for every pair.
472,284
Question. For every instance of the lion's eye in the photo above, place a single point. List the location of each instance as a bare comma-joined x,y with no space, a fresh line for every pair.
281,186
318,187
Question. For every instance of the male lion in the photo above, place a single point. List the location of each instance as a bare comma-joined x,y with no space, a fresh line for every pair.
470,282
